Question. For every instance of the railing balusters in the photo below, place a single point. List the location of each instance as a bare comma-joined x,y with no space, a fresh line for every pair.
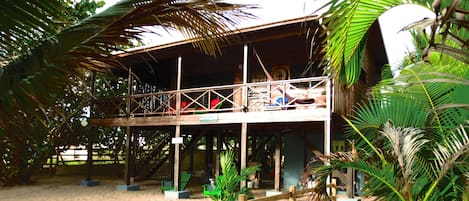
260,96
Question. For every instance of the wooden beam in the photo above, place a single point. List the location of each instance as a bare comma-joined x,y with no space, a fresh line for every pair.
209,153
278,146
217,158
178,87
309,115
91,134
327,128
349,184
244,95
128,143
176,159
177,132
127,167
244,141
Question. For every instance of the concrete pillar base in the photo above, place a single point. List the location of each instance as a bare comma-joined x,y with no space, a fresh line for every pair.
131,187
89,183
176,194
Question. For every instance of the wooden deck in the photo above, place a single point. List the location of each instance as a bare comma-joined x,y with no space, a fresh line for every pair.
300,115
296,100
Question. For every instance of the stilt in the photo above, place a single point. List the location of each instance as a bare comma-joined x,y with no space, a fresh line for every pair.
176,159
177,192
278,146
253,148
128,186
217,158
128,172
244,139
277,159
209,154
91,133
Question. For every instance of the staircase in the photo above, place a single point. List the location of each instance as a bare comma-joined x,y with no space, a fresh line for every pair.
157,157
153,160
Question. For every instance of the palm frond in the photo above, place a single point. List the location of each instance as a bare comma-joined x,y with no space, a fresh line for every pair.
405,143
452,151
89,44
381,178
432,91
25,24
348,23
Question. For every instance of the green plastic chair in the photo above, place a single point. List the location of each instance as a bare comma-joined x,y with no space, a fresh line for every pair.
210,190
168,185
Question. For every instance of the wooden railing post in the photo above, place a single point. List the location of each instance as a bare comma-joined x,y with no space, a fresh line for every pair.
242,197
334,189
292,191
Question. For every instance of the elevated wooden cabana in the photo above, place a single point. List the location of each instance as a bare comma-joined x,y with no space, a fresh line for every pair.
176,86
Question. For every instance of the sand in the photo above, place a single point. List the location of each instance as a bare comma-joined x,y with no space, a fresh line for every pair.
62,188
66,188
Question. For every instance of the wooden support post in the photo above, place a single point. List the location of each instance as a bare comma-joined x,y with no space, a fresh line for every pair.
244,141
334,189
245,75
327,124
128,140
133,156
191,161
217,158
128,143
89,158
178,88
90,130
278,146
177,132
171,161
253,148
292,191
209,154
242,197
349,185
176,159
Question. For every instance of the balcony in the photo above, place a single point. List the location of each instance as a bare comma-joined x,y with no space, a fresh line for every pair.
272,97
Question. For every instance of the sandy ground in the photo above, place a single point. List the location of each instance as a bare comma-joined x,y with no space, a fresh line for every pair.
66,188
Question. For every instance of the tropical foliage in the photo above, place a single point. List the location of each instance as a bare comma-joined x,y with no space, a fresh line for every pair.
43,51
411,137
348,23
229,181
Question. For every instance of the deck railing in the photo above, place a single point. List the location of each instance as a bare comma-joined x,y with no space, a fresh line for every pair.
260,96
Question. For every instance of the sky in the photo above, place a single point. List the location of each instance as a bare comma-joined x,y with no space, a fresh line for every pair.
396,43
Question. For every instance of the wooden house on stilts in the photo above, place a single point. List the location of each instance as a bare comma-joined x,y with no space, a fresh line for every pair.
201,104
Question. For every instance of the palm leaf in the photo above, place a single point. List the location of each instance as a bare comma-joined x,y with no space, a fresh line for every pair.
89,44
348,23
452,151
433,91
381,178
405,143
25,24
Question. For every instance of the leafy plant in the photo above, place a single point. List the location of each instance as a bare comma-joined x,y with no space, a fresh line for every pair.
410,138
43,51
229,181
347,23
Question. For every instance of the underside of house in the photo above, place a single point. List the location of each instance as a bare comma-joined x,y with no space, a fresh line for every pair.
265,96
